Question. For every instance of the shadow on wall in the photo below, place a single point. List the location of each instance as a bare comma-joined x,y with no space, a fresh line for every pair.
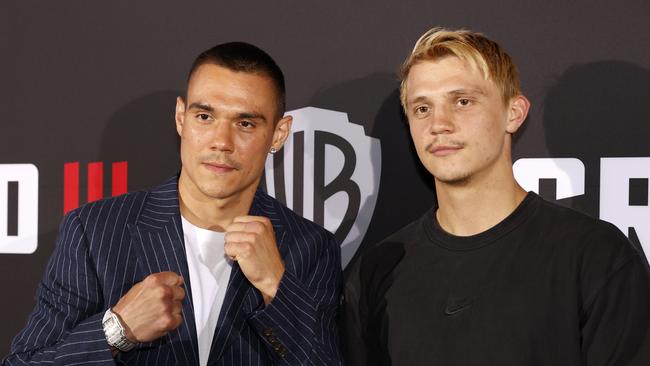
598,110
144,134
406,188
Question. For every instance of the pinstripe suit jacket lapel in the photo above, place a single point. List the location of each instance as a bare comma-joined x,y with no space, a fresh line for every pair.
158,240
241,297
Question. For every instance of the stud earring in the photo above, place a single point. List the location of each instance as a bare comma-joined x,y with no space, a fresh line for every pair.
273,150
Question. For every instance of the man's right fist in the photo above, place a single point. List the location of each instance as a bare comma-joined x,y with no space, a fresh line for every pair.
152,308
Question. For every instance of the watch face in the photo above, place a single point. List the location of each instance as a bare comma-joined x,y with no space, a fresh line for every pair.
109,322
115,335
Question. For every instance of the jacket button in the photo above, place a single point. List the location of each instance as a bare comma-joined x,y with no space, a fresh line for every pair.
281,351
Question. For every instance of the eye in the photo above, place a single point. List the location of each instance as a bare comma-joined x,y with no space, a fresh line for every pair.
422,110
204,117
464,102
246,124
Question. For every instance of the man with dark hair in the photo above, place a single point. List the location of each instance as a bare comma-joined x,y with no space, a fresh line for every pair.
206,269
491,274
239,56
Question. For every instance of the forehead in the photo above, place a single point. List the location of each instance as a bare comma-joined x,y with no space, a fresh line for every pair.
446,74
218,85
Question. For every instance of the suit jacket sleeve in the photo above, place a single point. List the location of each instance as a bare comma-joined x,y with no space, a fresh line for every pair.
65,328
298,326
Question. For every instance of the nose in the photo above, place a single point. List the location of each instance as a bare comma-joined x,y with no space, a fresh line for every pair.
222,137
441,120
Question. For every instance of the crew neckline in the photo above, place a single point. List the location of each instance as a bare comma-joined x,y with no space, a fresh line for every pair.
440,237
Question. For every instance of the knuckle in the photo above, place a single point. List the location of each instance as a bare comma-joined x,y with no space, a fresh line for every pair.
163,292
246,249
176,307
257,227
152,279
166,321
168,308
177,321
250,238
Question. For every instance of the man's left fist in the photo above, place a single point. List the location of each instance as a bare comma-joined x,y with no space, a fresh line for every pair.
250,241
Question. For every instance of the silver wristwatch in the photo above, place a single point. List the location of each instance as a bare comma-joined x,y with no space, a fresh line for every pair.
115,334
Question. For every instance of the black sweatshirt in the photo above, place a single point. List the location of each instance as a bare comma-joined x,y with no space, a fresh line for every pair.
546,286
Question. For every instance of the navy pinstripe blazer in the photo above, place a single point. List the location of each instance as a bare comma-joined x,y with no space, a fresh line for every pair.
106,246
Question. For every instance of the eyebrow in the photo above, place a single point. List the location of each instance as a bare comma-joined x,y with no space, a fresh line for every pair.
245,115
421,98
466,91
242,115
453,93
201,106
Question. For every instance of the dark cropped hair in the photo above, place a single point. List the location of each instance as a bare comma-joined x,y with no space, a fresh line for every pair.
244,57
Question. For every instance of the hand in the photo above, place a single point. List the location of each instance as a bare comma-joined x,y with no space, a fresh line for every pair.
250,241
152,308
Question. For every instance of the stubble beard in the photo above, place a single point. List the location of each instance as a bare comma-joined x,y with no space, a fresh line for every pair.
459,180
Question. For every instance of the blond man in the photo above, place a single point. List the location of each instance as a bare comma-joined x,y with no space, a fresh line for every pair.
491,274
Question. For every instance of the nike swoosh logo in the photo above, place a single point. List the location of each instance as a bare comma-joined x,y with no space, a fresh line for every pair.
456,306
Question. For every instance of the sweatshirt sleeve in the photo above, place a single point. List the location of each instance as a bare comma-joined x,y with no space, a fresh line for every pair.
615,321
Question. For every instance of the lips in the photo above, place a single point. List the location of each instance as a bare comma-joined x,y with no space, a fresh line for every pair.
444,150
218,167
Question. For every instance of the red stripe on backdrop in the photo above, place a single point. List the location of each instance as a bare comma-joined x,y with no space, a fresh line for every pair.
95,181
70,186
119,178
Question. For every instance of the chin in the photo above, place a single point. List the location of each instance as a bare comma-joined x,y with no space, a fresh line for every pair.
215,194
215,191
459,179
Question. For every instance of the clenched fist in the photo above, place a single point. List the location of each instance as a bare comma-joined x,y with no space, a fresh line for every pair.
152,308
250,241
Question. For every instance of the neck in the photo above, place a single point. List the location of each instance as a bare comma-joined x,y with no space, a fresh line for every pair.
208,212
474,207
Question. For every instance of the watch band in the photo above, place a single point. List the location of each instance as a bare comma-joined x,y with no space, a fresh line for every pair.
114,332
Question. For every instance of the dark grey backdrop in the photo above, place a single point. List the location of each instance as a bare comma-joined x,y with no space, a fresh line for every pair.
96,81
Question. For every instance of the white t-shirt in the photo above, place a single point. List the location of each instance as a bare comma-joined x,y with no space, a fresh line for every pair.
209,274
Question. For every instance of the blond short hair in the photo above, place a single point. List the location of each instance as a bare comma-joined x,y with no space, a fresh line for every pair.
475,48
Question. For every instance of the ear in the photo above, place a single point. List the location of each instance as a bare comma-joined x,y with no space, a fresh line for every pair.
179,115
517,112
281,132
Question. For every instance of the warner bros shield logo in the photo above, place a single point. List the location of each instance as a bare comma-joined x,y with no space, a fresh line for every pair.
328,172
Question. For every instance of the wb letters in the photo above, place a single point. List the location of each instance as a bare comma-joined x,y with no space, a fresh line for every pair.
328,172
